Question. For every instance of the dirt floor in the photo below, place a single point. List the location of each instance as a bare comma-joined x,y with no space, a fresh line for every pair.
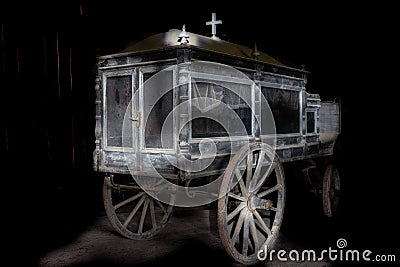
187,240
67,226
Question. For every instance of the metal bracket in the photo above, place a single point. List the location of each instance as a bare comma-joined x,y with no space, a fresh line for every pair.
137,119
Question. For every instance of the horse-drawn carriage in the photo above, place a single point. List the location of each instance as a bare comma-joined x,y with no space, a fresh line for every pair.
187,120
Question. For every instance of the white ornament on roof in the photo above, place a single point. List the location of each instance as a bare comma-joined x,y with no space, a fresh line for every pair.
214,22
183,36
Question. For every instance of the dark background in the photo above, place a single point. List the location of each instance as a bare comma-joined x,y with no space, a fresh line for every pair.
48,52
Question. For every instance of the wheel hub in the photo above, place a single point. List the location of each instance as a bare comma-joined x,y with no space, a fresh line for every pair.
255,202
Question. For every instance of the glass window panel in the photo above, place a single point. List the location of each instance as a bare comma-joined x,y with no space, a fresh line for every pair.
211,127
310,122
158,105
285,107
118,95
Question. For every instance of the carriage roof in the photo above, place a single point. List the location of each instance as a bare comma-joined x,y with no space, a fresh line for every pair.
169,40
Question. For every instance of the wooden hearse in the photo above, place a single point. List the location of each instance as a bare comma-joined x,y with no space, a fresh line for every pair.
179,110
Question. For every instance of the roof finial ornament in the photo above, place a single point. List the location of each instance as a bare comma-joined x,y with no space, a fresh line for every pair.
255,52
214,22
183,36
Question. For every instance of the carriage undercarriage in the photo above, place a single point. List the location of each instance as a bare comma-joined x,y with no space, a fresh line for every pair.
249,214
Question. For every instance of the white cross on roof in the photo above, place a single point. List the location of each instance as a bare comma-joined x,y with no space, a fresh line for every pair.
213,24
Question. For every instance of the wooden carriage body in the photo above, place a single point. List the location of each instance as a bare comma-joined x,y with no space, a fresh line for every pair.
305,126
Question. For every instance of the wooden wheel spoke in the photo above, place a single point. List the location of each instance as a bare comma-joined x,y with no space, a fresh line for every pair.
152,214
267,241
259,166
246,233
241,183
336,183
143,217
230,226
269,190
161,206
251,245
238,226
240,198
253,232
133,212
275,209
128,200
261,181
261,223
230,216
249,169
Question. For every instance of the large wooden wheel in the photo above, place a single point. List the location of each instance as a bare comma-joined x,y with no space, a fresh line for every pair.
330,190
133,213
251,208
